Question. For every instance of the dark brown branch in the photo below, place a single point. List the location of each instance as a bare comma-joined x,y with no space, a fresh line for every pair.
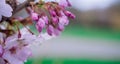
21,6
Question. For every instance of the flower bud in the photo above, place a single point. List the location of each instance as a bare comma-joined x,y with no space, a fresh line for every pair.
50,30
60,27
64,3
55,20
45,18
40,24
57,32
69,14
63,20
34,16
68,3
53,13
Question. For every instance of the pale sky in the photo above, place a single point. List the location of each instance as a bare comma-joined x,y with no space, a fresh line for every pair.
89,4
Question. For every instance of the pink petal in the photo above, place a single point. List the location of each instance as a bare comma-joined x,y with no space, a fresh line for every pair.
11,59
23,54
6,10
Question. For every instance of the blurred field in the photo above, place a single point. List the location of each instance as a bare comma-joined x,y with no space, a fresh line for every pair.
79,45
71,61
92,38
99,33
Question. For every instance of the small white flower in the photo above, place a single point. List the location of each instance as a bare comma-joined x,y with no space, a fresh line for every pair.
5,9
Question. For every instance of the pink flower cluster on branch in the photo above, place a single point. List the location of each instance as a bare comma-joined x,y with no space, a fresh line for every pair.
15,41
53,16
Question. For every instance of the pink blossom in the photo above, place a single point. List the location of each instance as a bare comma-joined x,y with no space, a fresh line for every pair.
16,50
38,28
52,16
63,20
53,13
23,54
11,58
64,3
61,27
55,20
57,32
40,24
50,30
45,18
45,36
27,37
69,14
34,16
68,2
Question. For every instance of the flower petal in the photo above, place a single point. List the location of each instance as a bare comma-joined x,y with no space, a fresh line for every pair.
5,10
23,54
11,59
2,1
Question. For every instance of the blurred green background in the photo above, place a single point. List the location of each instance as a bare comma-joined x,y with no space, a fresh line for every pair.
92,38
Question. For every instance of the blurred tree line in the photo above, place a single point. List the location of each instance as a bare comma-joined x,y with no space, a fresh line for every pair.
99,18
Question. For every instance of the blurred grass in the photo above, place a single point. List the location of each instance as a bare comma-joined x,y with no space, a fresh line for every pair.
82,32
101,33
70,61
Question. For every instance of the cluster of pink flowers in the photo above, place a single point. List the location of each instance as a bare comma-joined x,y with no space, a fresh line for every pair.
14,44
14,50
56,19
17,50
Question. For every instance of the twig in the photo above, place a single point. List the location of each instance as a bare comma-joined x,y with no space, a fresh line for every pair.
21,6
16,8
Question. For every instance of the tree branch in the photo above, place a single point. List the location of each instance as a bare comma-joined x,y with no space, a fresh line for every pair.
21,6
16,9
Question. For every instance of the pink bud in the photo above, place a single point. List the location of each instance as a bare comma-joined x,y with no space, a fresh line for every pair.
53,13
50,30
62,13
38,28
68,3
34,16
45,18
69,14
40,24
63,20
60,27
55,20
64,3
57,32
